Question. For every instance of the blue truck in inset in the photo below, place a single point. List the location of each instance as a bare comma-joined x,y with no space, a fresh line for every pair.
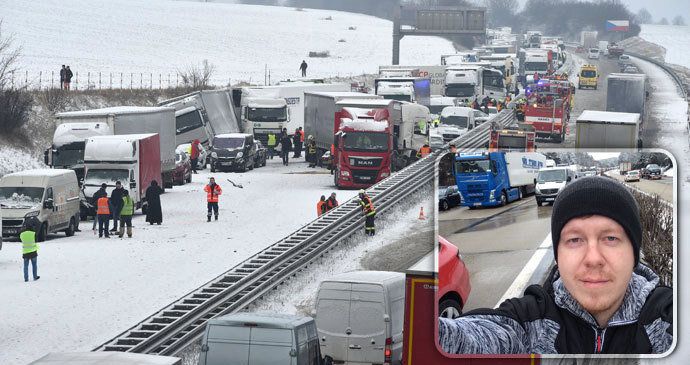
487,179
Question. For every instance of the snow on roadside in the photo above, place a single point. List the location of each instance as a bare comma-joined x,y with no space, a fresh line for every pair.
676,40
13,160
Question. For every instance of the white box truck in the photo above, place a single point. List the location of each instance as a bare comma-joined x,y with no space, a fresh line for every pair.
626,93
588,38
49,195
436,73
599,129
67,150
359,316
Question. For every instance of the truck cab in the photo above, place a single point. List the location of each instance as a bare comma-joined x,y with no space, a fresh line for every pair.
263,115
411,89
363,145
69,140
588,77
460,117
235,151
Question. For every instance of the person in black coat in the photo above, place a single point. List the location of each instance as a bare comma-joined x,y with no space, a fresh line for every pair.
285,147
297,143
68,78
63,72
116,204
154,214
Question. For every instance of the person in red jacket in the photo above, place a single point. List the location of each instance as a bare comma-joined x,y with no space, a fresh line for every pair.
321,206
331,203
194,155
213,191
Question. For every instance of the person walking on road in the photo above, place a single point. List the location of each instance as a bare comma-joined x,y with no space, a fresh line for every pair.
126,214
30,248
68,78
321,206
116,204
331,203
271,144
303,68
63,73
213,191
194,155
369,213
285,147
297,143
103,212
154,213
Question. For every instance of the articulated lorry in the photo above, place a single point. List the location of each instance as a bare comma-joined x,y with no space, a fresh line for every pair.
465,82
412,89
264,109
626,93
437,75
132,159
496,178
73,128
588,39
598,129
537,60
202,115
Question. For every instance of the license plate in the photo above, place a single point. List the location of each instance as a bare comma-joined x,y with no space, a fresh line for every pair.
226,163
365,178
477,204
549,199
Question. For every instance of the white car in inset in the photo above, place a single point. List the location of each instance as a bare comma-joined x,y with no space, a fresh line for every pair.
593,54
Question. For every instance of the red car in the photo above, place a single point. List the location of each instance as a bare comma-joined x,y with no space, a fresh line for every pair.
453,280
183,169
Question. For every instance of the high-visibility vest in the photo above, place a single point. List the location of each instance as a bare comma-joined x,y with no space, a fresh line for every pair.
301,136
424,151
330,204
312,147
271,140
320,207
367,206
29,244
212,194
127,206
103,206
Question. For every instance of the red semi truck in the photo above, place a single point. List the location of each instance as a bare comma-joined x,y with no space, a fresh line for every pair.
363,146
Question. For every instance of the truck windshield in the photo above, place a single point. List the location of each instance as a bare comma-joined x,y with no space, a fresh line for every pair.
96,177
366,141
228,142
551,176
536,66
399,97
20,197
472,166
460,90
588,73
267,114
492,79
456,120
188,122
69,154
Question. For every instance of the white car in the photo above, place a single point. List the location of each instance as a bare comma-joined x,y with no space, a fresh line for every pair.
632,176
593,54
203,154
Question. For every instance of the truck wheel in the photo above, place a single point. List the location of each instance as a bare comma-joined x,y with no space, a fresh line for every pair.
327,361
43,233
520,194
444,205
69,232
504,199
449,308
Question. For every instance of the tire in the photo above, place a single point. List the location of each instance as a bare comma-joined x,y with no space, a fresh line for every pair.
520,194
449,308
539,203
189,179
444,205
69,232
213,167
504,199
335,178
264,163
43,233
327,360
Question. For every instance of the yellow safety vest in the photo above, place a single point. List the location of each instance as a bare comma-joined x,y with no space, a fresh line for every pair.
271,140
29,244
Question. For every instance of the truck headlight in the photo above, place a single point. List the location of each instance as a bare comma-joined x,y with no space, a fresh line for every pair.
491,195
240,154
214,155
344,173
385,174
32,214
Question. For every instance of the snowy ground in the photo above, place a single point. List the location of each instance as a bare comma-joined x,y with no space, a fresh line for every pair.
675,39
92,289
240,40
12,160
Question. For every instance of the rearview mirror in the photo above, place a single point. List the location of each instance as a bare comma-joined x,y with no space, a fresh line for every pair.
293,353
132,185
48,204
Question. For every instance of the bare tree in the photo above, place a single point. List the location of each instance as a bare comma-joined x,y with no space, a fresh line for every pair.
663,21
9,54
643,16
15,103
501,12
678,20
197,78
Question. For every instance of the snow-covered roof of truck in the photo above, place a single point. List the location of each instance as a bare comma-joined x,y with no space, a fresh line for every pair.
123,137
361,120
609,117
266,103
114,110
617,75
41,172
366,102
71,132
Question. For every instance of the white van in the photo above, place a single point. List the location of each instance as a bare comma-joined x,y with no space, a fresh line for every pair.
360,315
550,181
593,54
260,338
49,195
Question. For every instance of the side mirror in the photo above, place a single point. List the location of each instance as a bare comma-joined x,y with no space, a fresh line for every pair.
293,353
569,179
132,185
535,181
48,204
386,318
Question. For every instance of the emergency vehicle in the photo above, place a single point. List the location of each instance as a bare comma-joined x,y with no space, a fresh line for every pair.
548,108
588,77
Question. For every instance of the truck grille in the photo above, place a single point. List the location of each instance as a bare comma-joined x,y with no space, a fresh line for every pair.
12,222
549,191
365,162
364,176
449,137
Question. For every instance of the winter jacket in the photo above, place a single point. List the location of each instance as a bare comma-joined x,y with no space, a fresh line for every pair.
116,198
548,320
68,75
194,153
286,143
331,203
212,193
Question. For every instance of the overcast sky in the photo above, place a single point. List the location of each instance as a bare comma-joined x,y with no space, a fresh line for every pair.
658,8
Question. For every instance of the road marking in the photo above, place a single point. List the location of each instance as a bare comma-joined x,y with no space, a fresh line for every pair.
524,278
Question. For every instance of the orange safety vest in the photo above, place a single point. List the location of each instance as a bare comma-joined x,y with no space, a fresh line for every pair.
301,136
212,195
424,151
320,207
103,206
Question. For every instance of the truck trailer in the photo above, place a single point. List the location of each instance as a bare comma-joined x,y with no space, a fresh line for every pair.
436,73
599,129
412,89
626,93
496,178
465,82
67,150
588,39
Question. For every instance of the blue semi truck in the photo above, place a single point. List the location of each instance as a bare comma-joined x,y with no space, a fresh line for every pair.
487,179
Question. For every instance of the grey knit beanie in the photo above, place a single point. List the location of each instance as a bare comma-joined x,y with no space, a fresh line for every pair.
596,195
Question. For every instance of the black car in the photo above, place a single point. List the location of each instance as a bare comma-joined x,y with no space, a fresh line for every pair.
261,154
234,151
651,171
448,196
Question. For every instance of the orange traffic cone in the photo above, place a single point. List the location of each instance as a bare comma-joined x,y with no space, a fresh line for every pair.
421,214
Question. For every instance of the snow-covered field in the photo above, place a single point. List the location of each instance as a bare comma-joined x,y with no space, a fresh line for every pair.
161,36
675,39
12,160
92,289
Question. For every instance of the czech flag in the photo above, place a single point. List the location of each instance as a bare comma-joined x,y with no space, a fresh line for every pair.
617,25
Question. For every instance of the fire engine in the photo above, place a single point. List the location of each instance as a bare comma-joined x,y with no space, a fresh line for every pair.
548,108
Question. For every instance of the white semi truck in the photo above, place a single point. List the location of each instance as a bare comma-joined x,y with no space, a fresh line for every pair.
465,82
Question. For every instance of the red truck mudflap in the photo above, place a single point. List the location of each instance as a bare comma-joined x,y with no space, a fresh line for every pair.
420,331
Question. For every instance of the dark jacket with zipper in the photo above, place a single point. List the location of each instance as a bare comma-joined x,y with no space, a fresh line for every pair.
548,320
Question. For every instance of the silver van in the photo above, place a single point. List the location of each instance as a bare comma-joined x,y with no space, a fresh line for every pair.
260,338
49,195
359,316
550,181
